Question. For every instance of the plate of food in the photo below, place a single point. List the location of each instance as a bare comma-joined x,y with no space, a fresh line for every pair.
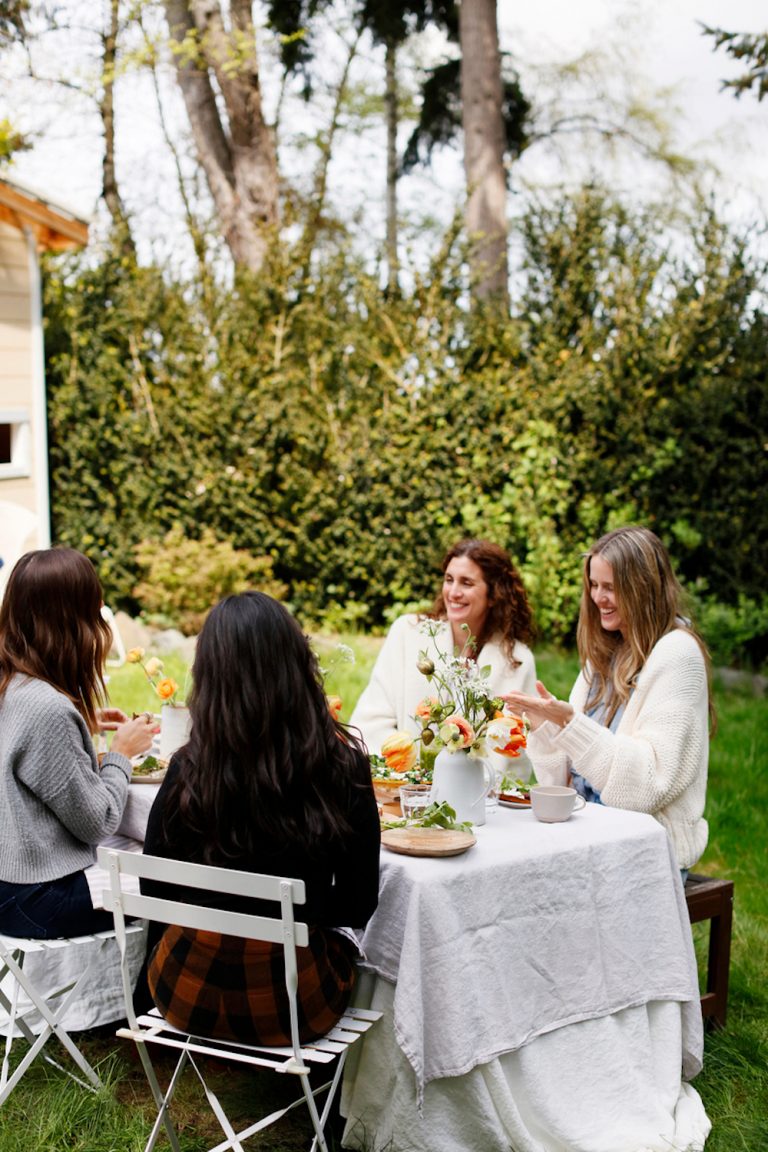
514,793
522,803
149,770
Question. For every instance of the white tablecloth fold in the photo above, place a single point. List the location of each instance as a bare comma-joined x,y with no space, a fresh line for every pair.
535,928
612,1084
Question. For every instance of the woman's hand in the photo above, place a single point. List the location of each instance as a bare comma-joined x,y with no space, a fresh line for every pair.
108,719
135,736
539,708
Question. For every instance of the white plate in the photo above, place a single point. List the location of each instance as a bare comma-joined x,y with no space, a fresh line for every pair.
517,807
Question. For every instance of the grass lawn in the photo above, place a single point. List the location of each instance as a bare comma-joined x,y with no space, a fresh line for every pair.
49,1114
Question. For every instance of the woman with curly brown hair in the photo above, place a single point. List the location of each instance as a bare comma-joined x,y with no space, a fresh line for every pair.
482,599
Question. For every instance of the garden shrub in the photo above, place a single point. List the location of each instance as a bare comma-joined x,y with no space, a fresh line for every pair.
350,437
184,577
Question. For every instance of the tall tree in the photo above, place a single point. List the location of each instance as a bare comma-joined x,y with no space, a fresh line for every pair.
750,50
109,188
481,98
234,145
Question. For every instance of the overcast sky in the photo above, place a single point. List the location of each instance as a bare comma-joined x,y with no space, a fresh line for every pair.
659,40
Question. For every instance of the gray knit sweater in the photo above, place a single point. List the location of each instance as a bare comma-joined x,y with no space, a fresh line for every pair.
56,803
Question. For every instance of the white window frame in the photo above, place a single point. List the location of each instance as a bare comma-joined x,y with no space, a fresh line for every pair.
20,464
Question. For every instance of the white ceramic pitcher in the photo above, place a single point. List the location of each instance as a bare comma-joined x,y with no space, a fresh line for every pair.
463,781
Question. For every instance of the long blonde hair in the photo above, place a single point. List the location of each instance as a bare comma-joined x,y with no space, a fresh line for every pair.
650,601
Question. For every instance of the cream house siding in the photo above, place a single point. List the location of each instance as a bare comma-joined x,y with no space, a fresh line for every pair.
29,225
17,480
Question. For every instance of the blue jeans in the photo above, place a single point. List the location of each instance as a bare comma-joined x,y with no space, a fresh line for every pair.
51,909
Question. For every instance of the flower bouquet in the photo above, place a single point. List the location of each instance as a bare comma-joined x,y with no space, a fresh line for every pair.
174,714
458,715
164,687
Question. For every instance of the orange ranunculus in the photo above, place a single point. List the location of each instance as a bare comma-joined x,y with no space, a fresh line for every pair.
424,709
166,688
457,733
507,735
399,752
335,703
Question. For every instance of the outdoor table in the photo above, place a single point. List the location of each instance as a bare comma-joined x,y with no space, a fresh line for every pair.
539,992
102,1001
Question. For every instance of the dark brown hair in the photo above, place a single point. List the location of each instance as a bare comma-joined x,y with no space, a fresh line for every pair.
509,615
51,627
266,763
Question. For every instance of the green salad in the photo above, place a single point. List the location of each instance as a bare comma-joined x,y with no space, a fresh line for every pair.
435,816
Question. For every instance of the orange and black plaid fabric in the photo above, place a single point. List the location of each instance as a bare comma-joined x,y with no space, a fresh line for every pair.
234,989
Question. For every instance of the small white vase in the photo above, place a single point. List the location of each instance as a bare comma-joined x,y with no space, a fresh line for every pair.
462,781
175,724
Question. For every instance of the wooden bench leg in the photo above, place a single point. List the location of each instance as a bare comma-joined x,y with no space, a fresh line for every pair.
712,900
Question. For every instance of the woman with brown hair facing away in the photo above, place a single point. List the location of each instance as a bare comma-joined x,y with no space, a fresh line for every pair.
269,782
56,801
482,596
635,731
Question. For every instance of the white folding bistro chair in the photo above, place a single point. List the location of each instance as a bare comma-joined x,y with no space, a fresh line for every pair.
31,1002
295,1059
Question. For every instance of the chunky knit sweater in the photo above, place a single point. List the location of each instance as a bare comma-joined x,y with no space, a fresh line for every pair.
56,803
657,759
396,686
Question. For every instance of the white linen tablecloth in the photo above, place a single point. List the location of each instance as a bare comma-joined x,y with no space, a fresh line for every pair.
102,1001
492,966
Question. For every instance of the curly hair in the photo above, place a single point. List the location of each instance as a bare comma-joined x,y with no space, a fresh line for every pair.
51,627
509,615
651,603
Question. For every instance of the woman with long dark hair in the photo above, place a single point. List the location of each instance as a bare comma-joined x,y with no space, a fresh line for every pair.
481,598
268,782
635,731
56,801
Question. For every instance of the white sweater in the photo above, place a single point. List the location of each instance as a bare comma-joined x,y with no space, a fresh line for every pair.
396,686
657,759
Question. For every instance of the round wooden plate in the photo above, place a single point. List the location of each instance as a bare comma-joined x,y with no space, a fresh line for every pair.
427,841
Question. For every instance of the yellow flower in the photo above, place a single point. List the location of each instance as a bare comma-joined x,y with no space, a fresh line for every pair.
153,666
166,688
135,655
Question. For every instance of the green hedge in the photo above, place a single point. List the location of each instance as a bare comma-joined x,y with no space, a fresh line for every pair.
345,438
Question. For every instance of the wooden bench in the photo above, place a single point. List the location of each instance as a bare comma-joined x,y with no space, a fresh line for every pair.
711,899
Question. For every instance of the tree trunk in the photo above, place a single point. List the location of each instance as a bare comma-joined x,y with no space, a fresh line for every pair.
238,157
481,97
109,186
390,104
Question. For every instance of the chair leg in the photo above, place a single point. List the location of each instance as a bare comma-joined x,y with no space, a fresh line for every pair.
52,1026
319,1140
162,1100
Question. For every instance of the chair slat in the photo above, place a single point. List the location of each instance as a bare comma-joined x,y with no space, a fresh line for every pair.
149,1029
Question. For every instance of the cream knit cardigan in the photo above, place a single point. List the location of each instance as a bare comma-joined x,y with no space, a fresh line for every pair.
657,759
396,686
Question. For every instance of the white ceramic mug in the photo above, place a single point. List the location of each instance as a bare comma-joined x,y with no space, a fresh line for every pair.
552,803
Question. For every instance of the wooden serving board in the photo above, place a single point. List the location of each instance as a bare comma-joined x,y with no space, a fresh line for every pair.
427,841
